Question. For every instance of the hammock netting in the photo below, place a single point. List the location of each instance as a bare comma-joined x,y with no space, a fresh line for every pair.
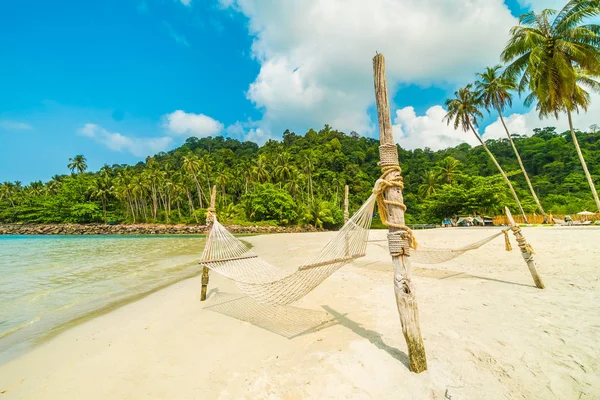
270,285
425,255
267,284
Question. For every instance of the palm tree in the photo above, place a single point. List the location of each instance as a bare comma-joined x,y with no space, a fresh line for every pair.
448,168
494,90
260,169
101,188
283,170
308,162
430,185
552,57
192,166
78,163
7,191
463,111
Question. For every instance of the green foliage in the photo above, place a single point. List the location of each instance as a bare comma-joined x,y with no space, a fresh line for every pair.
301,181
267,202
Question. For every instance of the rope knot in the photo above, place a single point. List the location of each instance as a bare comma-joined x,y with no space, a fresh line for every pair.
381,185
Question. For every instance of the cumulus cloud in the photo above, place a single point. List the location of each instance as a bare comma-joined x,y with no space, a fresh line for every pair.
186,3
139,147
320,71
524,124
15,125
413,131
181,123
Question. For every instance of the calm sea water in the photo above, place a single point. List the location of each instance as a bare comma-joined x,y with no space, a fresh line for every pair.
48,281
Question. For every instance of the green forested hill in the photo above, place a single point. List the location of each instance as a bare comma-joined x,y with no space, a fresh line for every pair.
300,180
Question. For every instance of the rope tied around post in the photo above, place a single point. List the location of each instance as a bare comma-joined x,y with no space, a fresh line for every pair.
521,241
400,242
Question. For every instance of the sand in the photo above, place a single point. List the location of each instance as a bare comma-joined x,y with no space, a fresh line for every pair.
489,333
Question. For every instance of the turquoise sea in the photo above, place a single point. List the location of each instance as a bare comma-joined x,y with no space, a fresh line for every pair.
46,282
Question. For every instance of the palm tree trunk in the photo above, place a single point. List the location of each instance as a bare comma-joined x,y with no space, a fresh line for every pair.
583,164
512,143
199,189
512,189
189,196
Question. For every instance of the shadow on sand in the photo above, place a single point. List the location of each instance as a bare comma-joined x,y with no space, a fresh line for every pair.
372,336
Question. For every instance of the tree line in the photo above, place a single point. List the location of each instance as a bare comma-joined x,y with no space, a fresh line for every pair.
300,180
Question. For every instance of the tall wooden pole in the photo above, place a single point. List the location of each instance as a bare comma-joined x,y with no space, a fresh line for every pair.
403,286
526,250
210,215
346,213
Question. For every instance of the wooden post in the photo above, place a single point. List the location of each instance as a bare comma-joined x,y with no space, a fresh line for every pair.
403,287
210,215
346,213
526,250
346,217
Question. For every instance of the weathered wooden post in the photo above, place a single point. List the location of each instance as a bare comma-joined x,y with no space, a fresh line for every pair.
346,213
526,250
210,215
400,239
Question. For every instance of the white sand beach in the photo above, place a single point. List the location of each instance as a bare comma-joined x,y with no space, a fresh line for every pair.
489,333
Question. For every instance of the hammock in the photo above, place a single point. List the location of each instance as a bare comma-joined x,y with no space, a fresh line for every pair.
424,255
268,284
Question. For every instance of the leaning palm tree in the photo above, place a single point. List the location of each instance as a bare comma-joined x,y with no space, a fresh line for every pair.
192,166
494,91
552,57
463,111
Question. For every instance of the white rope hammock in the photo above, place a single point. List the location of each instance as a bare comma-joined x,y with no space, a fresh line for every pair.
431,255
268,284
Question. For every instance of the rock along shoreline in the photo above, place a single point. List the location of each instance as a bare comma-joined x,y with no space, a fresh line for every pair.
140,229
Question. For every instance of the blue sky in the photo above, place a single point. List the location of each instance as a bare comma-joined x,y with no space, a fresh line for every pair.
116,80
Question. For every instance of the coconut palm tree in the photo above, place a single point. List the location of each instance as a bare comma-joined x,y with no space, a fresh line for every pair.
192,165
448,168
283,169
494,90
463,111
260,170
550,58
78,163
430,185
101,188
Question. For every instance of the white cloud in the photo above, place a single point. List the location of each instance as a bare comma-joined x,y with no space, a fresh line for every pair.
524,124
186,3
315,55
15,125
139,147
181,123
412,131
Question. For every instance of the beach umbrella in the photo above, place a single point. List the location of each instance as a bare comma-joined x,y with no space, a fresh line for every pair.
585,213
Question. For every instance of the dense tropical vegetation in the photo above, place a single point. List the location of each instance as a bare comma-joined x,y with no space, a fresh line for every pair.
300,180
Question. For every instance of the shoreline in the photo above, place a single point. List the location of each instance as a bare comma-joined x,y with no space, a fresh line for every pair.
141,229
